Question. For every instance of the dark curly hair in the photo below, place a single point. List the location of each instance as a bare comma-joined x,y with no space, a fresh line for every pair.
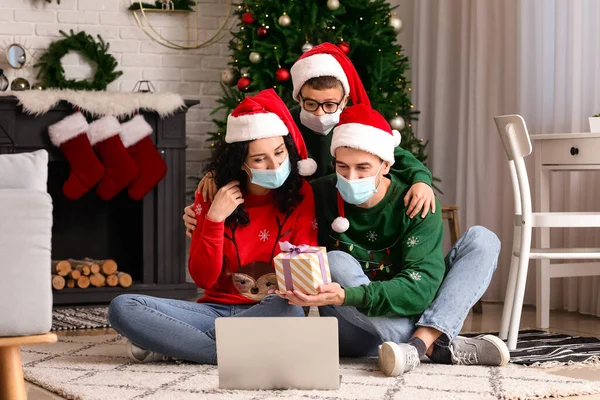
226,165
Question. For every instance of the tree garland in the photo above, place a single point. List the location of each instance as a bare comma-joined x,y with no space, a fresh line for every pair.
52,73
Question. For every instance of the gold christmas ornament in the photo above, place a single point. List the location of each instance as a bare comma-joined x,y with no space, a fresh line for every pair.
284,20
38,86
396,23
307,46
398,123
255,57
20,84
333,4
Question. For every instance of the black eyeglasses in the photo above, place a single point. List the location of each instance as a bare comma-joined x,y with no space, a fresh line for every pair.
310,105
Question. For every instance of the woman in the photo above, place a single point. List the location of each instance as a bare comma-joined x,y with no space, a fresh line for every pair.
262,200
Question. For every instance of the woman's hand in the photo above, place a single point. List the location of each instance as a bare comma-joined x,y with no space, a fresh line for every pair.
207,187
331,294
225,202
420,196
189,220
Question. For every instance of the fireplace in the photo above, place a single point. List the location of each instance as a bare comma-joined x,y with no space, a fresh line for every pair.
146,238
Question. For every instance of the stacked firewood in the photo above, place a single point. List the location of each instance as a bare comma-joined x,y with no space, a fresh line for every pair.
83,273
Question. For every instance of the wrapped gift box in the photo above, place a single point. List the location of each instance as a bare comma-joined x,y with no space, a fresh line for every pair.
303,268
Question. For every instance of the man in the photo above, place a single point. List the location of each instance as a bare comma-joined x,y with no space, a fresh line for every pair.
393,293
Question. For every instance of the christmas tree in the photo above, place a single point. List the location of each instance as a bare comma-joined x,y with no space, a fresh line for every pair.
271,35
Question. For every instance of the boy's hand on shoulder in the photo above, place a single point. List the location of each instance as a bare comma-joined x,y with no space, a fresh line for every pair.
420,197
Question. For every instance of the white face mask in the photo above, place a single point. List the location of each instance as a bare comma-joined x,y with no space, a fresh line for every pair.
321,124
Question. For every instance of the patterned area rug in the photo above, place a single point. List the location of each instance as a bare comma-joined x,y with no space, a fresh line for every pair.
547,349
93,367
79,318
534,347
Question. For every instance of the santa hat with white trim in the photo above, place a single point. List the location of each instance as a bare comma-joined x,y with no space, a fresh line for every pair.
327,59
266,115
362,128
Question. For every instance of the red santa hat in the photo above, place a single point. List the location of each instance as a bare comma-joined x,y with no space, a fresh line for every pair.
362,128
266,115
328,60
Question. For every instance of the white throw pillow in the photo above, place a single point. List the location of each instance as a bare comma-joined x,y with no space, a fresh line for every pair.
24,171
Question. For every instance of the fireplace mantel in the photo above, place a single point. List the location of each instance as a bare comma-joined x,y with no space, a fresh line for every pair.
158,265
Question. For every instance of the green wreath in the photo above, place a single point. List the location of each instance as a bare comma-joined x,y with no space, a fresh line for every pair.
52,73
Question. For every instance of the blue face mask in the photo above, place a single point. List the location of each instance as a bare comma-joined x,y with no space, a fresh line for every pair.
271,178
357,191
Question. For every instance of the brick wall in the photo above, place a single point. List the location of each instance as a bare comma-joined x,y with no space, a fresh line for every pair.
195,74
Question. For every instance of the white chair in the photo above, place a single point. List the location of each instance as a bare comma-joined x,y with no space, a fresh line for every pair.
517,145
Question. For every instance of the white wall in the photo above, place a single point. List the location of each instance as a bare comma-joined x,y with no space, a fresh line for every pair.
195,74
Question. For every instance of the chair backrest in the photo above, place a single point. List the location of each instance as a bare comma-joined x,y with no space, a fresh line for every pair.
517,145
513,132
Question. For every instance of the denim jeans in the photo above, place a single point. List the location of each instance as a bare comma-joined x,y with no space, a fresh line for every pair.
184,329
469,268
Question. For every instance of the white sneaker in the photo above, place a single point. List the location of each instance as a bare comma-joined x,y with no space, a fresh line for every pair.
140,355
397,358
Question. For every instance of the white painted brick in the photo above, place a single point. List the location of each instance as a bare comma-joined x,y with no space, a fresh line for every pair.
165,74
124,46
151,47
126,86
72,58
64,5
38,42
212,10
198,75
133,33
101,5
214,62
104,31
16,28
188,89
181,61
130,74
14,4
117,18
35,15
212,88
79,72
6,15
113,86
52,30
208,23
176,35
140,60
199,127
78,17
164,20
209,101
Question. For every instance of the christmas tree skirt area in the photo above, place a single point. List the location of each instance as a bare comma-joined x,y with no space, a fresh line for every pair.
95,367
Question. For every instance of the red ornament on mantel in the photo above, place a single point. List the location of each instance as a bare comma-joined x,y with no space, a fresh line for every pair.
262,31
247,18
282,75
345,46
244,83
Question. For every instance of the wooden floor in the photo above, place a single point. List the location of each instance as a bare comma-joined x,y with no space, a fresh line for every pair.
560,322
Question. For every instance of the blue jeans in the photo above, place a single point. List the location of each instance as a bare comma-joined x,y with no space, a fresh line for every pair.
469,268
184,329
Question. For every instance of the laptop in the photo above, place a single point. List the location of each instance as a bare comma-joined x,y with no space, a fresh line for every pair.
278,353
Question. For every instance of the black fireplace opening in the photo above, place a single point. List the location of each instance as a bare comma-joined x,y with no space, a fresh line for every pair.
96,228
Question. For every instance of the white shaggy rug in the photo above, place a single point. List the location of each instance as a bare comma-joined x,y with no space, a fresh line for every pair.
93,367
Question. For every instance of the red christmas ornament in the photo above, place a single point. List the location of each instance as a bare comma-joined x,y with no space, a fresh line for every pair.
345,46
244,83
282,75
247,18
262,31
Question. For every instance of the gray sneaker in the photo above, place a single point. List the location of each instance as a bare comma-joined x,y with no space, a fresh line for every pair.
397,358
481,350
140,355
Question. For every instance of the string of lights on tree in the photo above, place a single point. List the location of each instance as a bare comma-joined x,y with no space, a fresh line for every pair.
271,35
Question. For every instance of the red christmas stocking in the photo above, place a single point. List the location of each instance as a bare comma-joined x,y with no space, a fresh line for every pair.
119,168
136,138
70,136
